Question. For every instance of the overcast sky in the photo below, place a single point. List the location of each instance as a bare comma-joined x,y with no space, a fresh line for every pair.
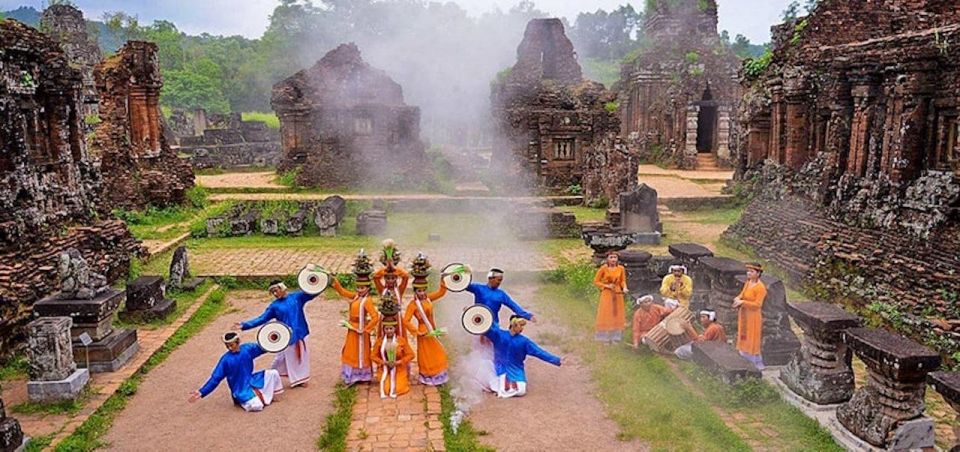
751,18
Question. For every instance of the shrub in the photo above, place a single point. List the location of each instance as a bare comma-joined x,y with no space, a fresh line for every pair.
611,107
755,67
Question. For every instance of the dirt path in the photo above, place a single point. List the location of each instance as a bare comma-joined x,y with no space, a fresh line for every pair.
262,179
159,417
559,412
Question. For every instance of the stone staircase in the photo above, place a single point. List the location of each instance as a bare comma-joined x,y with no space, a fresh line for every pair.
707,162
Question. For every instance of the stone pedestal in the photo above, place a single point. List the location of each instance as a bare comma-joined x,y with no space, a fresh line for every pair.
888,411
721,359
638,273
603,239
821,372
11,436
948,385
779,341
689,254
111,348
146,300
94,316
372,222
53,374
721,276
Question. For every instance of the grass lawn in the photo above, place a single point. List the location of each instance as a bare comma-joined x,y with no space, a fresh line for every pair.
644,395
584,213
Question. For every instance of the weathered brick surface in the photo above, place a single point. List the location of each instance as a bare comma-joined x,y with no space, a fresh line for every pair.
138,166
555,127
66,25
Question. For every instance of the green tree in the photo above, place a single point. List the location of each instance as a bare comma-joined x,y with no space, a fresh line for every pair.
188,90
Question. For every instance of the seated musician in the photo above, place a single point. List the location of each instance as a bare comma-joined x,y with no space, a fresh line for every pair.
712,331
646,316
677,285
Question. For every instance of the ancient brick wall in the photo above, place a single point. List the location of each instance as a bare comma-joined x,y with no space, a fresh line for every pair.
553,124
49,188
344,123
849,140
66,25
138,166
679,95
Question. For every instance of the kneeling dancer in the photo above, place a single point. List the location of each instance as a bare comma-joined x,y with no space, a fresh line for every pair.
432,361
510,350
294,361
363,317
392,352
252,391
712,331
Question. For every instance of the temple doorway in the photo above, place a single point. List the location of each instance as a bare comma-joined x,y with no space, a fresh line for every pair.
706,123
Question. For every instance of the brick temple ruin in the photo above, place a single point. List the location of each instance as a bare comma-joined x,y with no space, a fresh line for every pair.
344,123
558,129
849,139
49,184
66,25
678,96
555,128
223,141
139,167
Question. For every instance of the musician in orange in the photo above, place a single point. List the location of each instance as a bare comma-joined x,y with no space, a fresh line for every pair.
363,316
646,316
391,352
677,285
712,331
432,362
750,315
611,279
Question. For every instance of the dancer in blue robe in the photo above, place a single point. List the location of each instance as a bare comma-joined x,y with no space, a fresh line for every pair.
510,350
251,390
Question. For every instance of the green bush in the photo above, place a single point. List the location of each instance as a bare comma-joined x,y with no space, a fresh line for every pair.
611,107
755,67
197,196
692,57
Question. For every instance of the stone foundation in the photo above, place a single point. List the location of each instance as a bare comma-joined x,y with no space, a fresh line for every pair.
821,372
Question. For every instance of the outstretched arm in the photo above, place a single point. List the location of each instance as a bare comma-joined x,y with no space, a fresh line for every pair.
215,378
515,307
303,297
267,315
441,291
535,350
343,292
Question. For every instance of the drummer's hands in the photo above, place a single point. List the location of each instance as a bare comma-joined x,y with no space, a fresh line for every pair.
237,326
194,397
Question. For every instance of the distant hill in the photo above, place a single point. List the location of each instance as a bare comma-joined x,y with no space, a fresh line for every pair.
107,41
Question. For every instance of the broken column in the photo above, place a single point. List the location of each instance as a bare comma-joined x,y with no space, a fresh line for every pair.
639,215
948,385
821,372
721,273
180,276
54,375
11,436
329,214
146,300
888,412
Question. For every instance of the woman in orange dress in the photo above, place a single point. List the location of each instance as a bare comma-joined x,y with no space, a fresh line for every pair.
749,317
355,355
432,357
611,279
392,352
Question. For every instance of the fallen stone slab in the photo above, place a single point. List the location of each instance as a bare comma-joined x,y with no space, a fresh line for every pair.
722,360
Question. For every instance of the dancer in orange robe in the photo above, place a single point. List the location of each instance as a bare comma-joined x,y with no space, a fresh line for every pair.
391,352
363,317
750,316
611,279
386,277
647,316
432,357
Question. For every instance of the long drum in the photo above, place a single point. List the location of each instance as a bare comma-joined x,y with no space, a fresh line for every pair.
274,337
670,333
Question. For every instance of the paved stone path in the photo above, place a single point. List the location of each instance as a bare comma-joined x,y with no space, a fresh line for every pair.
103,385
260,179
378,196
250,262
684,184
409,422
653,170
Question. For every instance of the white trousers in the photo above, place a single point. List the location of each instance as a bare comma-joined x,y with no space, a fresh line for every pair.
272,385
294,363
499,385
684,351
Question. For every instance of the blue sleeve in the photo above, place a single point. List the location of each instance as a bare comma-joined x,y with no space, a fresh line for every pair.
535,350
254,349
215,378
303,297
267,315
494,334
515,307
472,287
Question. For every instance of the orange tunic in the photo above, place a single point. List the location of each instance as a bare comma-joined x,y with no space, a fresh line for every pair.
402,275
356,347
403,358
611,313
714,332
644,321
750,318
432,358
